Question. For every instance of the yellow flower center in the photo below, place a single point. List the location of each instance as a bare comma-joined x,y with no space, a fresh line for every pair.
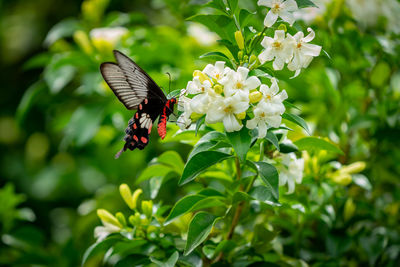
217,76
276,7
268,97
277,45
262,115
298,45
239,85
228,109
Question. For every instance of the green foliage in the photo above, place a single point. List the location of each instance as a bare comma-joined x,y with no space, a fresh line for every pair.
202,196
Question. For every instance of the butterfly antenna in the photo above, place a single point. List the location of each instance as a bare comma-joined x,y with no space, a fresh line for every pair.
169,75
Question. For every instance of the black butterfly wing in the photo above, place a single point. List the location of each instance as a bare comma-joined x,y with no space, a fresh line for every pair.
129,82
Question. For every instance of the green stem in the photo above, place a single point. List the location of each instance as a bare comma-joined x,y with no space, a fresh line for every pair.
257,41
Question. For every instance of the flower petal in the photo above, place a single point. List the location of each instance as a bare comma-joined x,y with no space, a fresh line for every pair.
270,19
252,83
287,16
290,5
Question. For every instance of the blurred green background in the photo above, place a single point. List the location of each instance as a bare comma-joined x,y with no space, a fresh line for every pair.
60,126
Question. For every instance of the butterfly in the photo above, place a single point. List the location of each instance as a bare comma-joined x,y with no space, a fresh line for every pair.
136,90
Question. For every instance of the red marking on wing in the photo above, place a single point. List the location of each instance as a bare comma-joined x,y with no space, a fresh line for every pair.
137,115
140,106
162,126
134,126
151,125
146,101
143,139
135,138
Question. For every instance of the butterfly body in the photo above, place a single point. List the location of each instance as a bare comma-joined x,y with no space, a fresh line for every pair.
136,90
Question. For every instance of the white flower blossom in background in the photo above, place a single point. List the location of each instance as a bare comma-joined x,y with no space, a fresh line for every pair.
303,52
309,14
278,48
225,108
196,86
235,81
279,8
202,35
291,171
111,35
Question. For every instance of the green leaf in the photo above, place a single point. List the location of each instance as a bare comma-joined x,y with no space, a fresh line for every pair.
83,125
169,263
199,122
232,5
217,4
239,197
173,159
156,170
244,16
200,162
305,3
263,194
100,247
193,203
29,97
269,175
220,24
58,78
289,105
212,136
199,229
287,147
205,146
209,192
62,29
183,206
216,56
174,93
240,141
273,139
315,144
297,120
231,47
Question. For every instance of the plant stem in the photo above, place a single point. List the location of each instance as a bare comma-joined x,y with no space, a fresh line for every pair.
256,41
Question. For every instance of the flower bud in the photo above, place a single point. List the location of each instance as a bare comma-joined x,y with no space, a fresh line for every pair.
147,208
126,195
134,220
253,59
121,218
241,116
240,55
135,197
239,39
218,89
341,178
282,27
349,209
82,39
201,75
355,167
107,217
255,96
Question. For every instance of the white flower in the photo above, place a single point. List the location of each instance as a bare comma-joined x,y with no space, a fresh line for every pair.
184,119
263,116
303,52
101,232
291,171
224,109
238,81
279,8
272,98
112,35
196,86
279,47
216,71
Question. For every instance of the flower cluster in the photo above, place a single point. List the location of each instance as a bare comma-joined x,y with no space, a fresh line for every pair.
293,50
228,96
